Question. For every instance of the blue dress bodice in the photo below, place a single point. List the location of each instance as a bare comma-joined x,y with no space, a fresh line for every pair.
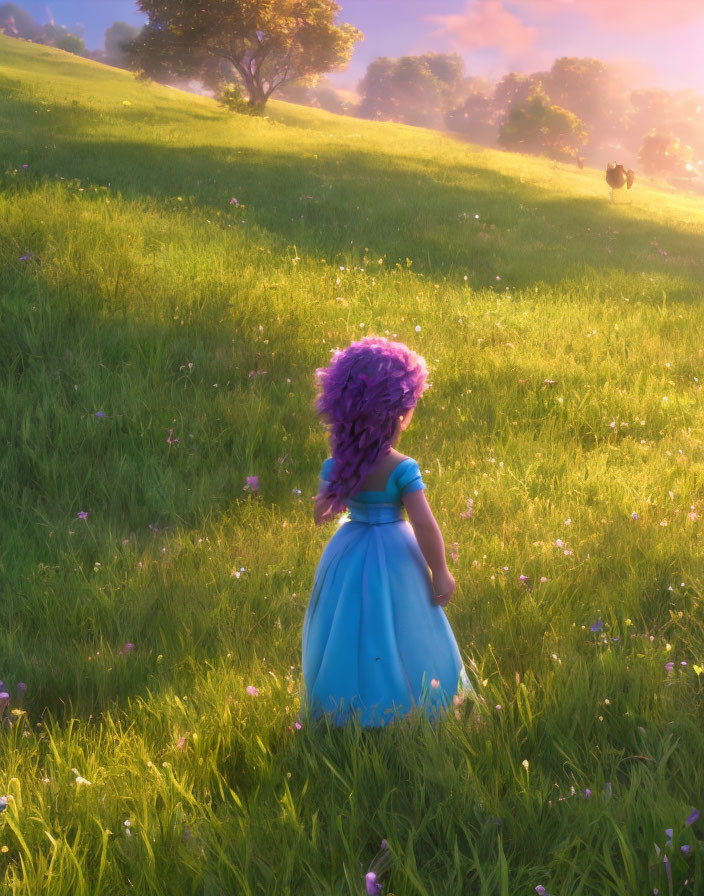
378,507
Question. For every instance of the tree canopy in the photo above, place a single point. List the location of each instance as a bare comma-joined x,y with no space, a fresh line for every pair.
17,22
474,116
539,127
264,43
513,90
591,89
663,155
118,37
415,90
71,43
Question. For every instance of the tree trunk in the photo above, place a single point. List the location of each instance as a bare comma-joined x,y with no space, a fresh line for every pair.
257,94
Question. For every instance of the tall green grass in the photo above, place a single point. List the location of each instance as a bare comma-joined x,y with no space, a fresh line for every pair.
564,335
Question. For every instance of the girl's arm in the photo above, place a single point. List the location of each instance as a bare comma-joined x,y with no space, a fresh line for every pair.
430,542
321,508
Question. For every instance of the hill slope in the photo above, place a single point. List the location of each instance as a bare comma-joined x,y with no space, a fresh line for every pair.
157,346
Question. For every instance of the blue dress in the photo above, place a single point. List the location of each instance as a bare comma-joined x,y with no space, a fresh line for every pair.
373,641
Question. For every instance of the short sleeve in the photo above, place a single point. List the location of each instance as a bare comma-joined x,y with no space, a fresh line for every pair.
409,478
326,471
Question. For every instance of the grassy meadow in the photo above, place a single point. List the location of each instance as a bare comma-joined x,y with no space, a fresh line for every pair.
157,346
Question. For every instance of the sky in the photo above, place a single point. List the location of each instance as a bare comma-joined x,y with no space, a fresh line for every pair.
658,42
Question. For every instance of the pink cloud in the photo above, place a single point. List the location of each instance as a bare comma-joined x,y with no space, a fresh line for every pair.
487,24
635,15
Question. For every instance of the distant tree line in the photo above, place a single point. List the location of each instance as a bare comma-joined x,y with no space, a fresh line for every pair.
580,109
17,22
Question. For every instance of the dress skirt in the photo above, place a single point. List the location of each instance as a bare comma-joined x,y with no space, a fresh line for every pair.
373,642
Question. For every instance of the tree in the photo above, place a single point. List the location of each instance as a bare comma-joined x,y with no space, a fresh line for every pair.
589,88
687,120
474,116
118,37
513,89
648,110
656,112
663,155
16,22
538,127
414,90
263,43
71,43
416,93
448,68
403,90
376,87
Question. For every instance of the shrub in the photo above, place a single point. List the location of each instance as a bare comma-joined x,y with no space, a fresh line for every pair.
232,97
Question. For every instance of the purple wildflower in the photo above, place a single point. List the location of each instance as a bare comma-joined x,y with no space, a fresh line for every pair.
523,579
363,393
171,440
128,648
100,415
541,891
82,515
668,870
3,804
233,201
468,514
598,626
668,833
4,701
252,483
28,256
587,793
692,818
380,863
686,849
669,666
373,886
252,691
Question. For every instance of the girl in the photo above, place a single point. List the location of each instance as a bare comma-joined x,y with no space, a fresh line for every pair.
375,639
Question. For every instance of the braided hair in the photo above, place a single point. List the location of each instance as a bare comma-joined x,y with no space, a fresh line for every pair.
363,392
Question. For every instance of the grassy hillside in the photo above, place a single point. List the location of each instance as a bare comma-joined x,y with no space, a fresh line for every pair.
140,306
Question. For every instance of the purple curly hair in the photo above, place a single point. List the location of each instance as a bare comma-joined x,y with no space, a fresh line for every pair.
363,392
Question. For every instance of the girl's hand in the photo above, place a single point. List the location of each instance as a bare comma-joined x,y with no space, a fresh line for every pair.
321,510
430,542
443,588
